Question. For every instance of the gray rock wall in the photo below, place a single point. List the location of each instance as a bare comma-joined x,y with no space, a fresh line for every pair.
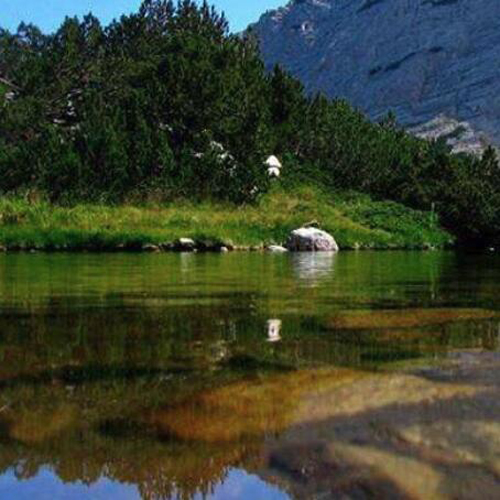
420,58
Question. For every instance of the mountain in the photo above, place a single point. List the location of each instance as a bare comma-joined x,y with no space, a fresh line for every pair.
426,60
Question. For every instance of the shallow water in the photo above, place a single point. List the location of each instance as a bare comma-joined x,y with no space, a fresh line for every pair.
250,376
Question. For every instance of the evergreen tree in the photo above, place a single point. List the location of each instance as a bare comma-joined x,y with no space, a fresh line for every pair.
166,100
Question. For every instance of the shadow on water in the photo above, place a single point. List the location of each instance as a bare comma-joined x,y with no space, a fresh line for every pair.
356,375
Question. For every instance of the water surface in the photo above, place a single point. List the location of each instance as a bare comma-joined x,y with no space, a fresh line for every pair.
249,376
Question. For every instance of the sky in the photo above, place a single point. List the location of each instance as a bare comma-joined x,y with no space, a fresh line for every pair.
48,14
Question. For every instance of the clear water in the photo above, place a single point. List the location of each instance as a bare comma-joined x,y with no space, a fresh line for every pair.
249,376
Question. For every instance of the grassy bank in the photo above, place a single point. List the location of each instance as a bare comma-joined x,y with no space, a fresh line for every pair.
355,220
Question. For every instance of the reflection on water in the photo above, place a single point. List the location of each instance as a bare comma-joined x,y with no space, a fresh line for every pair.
362,375
311,268
238,485
274,330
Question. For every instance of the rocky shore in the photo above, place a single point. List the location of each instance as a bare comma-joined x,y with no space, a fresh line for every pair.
305,239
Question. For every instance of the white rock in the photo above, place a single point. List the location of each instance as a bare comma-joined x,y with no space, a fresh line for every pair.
311,239
273,162
276,249
273,172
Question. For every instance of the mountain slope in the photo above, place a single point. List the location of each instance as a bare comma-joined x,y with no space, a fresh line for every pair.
418,58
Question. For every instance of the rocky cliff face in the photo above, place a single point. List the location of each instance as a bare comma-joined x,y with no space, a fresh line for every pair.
422,59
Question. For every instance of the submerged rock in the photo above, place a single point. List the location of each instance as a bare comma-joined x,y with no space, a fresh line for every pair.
311,239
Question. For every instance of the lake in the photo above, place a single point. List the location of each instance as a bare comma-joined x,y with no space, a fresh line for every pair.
362,375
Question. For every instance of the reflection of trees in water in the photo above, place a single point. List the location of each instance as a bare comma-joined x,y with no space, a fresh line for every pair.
166,439
274,330
85,446
159,469
152,338
182,435
71,345
68,373
169,397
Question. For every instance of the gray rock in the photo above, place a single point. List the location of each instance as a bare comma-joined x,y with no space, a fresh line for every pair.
167,246
212,245
419,58
150,248
310,239
276,249
460,136
229,245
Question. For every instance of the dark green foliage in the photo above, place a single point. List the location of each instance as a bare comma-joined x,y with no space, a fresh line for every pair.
166,103
103,113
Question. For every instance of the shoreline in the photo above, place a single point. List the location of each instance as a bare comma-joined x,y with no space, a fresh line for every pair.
166,248
356,221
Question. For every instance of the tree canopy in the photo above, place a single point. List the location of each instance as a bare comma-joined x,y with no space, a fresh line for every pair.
167,102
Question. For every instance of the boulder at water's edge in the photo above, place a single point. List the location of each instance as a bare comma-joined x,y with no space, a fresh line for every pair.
311,239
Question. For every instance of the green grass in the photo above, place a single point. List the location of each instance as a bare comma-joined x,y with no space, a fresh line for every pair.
355,220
